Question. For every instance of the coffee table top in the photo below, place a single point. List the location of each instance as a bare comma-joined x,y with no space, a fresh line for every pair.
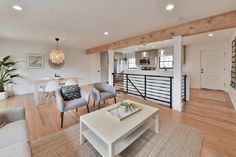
110,130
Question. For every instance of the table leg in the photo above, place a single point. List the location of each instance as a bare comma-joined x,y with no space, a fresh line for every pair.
157,127
110,151
82,128
36,95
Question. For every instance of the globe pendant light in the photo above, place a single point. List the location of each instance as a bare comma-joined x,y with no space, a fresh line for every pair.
57,56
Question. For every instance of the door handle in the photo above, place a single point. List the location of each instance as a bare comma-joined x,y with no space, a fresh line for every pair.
202,71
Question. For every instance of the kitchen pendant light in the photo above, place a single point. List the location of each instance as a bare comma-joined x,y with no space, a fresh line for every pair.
57,56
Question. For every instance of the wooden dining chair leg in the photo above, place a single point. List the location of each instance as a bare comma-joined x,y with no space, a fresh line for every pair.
115,99
76,109
94,103
88,108
62,117
104,101
99,105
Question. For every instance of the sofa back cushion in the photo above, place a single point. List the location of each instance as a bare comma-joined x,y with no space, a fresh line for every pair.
70,92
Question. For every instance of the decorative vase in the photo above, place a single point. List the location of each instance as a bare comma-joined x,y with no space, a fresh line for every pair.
3,95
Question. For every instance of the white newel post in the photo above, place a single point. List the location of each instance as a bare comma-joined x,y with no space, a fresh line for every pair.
177,73
111,66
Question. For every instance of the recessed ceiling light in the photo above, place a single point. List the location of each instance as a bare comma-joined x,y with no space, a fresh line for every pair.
170,7
106,33
210,35
17,7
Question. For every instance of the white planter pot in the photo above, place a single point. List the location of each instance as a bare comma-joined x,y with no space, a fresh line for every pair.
3,95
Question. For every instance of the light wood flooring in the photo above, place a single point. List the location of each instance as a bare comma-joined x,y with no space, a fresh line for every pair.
216,118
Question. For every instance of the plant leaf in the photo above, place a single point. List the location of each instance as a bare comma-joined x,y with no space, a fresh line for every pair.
15,75
6,58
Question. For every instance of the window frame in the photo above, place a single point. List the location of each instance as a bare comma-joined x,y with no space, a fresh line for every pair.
133,63
166,62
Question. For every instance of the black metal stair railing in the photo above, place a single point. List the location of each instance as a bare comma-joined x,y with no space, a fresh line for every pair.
155,87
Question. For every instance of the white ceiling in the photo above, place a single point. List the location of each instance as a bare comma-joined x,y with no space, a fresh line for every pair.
82,22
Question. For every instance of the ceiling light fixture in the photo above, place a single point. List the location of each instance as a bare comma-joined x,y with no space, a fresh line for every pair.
57,56
106,33
210,35
17,7
170,7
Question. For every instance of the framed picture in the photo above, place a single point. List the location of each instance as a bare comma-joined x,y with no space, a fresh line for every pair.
35,61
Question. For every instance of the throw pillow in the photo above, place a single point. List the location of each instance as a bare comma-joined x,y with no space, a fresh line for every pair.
70,92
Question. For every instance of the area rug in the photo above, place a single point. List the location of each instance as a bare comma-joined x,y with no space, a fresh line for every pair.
173,140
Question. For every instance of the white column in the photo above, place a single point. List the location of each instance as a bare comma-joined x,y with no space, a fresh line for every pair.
177,73
111,66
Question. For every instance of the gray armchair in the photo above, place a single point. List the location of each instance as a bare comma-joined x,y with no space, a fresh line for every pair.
64,106
102,92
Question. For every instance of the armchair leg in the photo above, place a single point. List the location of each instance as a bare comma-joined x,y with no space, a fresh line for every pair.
104,101
115,99
99,105
76,109
62,117
88,108
93,103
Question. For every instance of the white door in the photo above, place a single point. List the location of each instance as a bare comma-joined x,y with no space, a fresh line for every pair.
212,70
95,68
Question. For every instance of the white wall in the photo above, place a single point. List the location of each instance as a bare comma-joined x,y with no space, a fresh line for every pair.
76,63
232,91
193,61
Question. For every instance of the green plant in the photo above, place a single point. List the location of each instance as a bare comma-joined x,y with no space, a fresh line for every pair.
126,106
7,72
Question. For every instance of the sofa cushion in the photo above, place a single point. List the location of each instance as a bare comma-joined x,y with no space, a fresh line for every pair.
70,92
12,133
21,149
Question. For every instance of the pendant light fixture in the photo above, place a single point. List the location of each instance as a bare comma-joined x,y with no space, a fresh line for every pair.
57,56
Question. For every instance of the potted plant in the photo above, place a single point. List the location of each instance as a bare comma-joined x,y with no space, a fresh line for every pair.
125,106
6,75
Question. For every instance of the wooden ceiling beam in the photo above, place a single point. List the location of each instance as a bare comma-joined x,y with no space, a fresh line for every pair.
209,24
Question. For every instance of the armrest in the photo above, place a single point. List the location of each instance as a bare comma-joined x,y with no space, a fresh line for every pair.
110,88
11,115
60,101
95,94
84,95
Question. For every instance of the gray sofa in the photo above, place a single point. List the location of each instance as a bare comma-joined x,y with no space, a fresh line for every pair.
102,92
64,106
14,137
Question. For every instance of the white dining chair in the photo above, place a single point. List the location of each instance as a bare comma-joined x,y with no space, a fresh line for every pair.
70,82
50,89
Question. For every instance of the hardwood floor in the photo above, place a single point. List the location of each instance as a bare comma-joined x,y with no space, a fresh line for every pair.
216,118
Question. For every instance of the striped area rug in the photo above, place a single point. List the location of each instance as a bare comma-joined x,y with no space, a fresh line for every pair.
173,140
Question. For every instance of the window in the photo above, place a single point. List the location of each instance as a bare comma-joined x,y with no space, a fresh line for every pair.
131,63
166,62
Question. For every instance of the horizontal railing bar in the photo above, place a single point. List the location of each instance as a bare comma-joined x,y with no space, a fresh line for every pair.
146,75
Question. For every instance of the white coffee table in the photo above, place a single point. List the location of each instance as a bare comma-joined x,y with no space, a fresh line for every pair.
109,136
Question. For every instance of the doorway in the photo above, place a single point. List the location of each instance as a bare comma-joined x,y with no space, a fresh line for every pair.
213,69
95,68
104,67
